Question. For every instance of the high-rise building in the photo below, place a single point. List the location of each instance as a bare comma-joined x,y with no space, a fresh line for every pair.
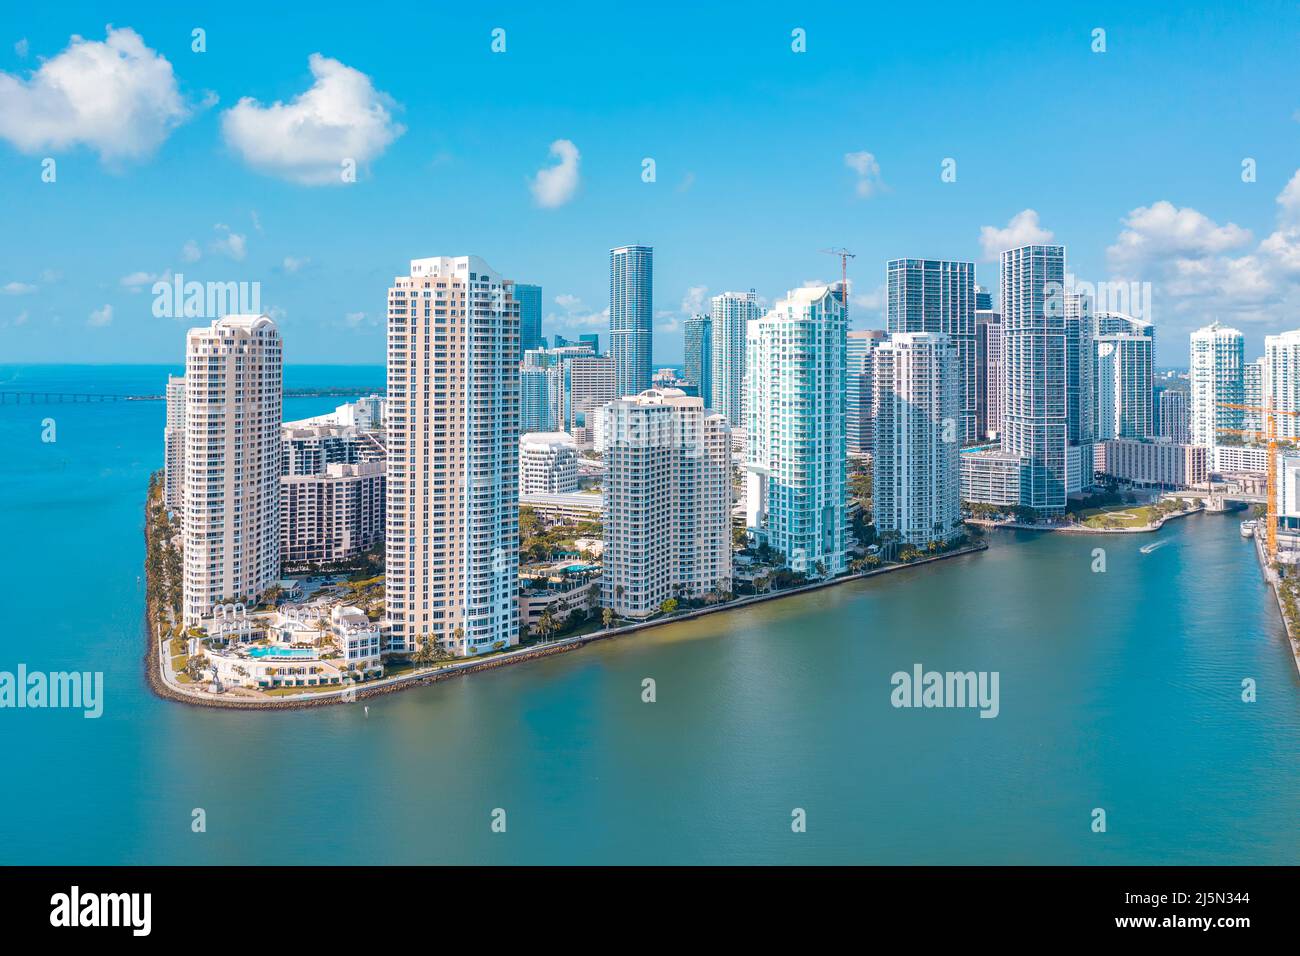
591,340
916,484
938,295
1254,376
589,382
1217,379
732,313
698,369
1122,385
1175,416
540,393
331,515
990,382
233,389
174,446
983,299
859,348
1035,420
1280,385
1080,390
453,457
530,316
795,423
667,501
631,314
548,464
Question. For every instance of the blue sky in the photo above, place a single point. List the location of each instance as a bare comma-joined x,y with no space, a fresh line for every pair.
1132,158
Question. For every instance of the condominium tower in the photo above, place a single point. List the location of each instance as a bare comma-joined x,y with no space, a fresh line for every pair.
530,316
698,368
631,313
233,388
916,480
174,446
1122,385
667,501
1280,386
732,313
1216,375
453,466
860,346
796,457
938,295
1035,422
990,381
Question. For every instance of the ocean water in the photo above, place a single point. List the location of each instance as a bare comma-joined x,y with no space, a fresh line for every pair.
1120,691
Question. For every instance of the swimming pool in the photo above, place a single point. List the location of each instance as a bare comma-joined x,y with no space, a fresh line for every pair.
290,652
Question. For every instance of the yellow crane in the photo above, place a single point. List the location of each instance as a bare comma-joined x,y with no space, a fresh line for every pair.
1269,434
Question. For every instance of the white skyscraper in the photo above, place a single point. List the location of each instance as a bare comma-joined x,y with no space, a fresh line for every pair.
631,316
232,462
174,446
732,313
1217,360
795,404
667,501
1122,385
916,443
453,457
1281,381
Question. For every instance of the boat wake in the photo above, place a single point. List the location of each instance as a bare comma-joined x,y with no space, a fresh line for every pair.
1148,548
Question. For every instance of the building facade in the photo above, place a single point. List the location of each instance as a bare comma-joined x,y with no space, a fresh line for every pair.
1122,386
698,368
989,379
333,515
916,485
174,447
530,316
1280,383
548,464
732,313
1155,463
453,432
1217,378
1175,416
938,295
667,502
795,424
233,393
631,314
860,346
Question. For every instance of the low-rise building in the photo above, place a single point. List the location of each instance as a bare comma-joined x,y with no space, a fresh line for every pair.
1239,460
1163,463
991,477
548,464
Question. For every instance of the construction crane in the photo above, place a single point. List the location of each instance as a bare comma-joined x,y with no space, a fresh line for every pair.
845,256
1269,434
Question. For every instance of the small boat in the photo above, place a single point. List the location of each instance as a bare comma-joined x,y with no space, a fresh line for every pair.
1248,528
1148,548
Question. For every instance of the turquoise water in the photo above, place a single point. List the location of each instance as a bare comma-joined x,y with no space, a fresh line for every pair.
278,652
1119,690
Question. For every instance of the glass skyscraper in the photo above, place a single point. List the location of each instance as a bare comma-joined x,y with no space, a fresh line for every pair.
631,312
699,356
530,316
938,295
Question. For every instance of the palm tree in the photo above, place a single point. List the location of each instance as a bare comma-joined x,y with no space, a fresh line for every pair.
607,616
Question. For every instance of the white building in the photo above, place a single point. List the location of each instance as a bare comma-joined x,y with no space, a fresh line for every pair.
990,476
1217,378
916,488
1161,463
548,464
732,313
453,439
667,502
174,446
1123,381
1281,381
795,432
233,389
1239,459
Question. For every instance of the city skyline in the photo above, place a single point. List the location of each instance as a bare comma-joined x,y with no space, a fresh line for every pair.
220,212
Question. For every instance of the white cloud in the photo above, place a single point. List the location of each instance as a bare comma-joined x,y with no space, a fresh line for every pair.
1199,269
101,317
138,280
868,172
693,300
576,317
294,263
341,117
228,243
354,319
555,185
1023,230
21,47
117,97
190,252
18,288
